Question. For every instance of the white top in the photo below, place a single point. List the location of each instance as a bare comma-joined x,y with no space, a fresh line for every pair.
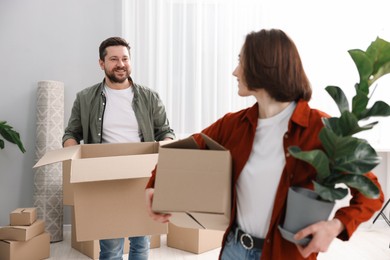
259,179
119,122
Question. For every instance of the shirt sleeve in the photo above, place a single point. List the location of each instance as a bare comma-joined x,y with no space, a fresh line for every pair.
360,209
74,128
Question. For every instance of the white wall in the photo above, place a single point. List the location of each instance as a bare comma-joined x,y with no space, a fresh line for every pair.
44,40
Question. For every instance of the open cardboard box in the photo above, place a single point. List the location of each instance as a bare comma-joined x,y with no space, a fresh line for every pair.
193,184
106,183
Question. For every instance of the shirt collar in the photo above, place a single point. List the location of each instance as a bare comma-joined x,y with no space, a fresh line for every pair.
300,115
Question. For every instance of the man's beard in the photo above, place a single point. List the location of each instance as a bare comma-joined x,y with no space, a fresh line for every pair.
114,79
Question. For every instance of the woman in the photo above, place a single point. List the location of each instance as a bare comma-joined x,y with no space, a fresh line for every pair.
270,69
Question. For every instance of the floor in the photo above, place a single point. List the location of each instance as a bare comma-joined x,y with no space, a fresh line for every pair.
370,242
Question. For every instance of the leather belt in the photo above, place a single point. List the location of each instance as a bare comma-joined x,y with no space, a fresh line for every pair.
249,242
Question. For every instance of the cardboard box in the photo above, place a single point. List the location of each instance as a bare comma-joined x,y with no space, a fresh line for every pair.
194,185
108,186
23,216
34,249
92,248
22,233
193,240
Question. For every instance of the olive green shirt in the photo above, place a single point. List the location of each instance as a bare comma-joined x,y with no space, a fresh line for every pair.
86,120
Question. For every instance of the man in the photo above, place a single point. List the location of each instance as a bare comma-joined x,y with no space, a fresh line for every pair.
117,111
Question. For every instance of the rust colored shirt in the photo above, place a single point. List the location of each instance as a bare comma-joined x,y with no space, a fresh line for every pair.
236,132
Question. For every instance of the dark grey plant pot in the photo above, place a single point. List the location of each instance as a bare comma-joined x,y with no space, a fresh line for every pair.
303,209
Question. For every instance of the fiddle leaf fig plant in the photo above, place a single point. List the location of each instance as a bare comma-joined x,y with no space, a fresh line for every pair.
7,132
345,158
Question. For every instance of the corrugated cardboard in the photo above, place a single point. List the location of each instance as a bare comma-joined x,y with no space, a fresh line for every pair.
107,182
193,240
22,233
92,248
35,248
23,216
194,185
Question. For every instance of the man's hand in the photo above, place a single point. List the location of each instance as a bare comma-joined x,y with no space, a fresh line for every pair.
322,233
162,218
70,142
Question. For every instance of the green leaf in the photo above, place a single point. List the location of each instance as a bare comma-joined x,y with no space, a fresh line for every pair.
332,123
359,103
337,146
330,193
350,124
316,158
379,108
360,182
339,97
362,160
347,153
365,68
10,135
379,54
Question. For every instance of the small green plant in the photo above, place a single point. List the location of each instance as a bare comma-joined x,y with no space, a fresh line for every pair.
345,158
10,135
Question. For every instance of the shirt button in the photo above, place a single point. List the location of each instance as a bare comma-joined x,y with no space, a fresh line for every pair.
98,134
268,241
287,154
104,104
286,136
291,176
100,119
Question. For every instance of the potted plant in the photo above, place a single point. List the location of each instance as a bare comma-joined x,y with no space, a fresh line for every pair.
344,158
7,132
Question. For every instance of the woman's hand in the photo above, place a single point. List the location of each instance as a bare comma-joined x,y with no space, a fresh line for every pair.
159,217
322,233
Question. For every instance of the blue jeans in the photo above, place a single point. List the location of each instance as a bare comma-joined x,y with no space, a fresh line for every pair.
112,249
233,249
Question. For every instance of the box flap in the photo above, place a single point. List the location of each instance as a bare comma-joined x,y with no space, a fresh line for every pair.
187,143
182,219
200,220
118,149
190,143
113,168
59,155
211,144
212,221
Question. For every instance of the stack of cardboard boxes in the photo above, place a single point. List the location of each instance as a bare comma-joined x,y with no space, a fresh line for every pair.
25,237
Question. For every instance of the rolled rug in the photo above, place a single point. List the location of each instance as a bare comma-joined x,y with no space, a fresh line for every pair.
48,179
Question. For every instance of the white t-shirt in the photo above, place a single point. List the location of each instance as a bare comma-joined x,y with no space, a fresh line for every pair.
119,122
259,179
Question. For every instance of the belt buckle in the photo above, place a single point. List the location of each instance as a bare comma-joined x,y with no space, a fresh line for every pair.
250,240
